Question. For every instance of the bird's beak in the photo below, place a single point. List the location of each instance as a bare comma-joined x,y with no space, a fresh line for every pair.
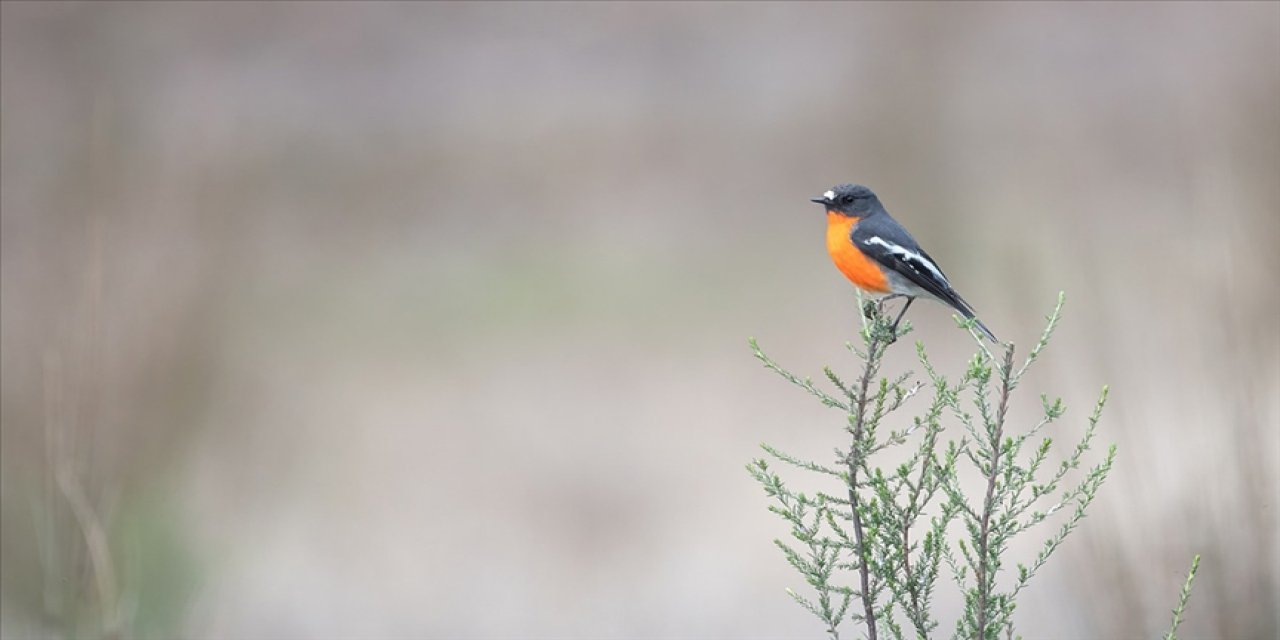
820,200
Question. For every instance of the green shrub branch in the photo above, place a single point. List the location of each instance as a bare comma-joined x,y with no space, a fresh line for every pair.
873,552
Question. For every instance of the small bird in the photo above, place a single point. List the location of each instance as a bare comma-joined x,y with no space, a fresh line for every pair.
878,256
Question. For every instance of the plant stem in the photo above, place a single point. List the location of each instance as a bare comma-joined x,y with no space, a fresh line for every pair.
1172,634
868,606
906,567
984,568
876,346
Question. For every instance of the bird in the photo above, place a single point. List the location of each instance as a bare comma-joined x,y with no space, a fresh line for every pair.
880,257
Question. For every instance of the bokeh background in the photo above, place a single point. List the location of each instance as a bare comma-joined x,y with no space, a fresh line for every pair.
429,320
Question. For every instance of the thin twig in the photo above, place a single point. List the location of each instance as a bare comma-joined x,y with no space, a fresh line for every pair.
1182,600
876,346
984,568
906,567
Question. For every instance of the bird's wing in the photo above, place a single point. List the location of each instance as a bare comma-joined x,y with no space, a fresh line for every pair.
885,241
890,245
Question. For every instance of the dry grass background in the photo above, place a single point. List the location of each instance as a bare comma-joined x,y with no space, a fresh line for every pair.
429,320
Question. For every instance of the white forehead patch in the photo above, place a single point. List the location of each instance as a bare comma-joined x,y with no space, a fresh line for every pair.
830,195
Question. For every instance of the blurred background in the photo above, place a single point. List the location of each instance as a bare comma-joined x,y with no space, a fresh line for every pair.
429,320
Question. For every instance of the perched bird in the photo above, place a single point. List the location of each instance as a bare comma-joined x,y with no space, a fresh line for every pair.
878,256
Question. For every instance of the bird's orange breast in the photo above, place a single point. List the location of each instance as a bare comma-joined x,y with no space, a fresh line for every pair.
859,269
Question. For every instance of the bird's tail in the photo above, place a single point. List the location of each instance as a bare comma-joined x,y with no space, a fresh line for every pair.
985,331
968,313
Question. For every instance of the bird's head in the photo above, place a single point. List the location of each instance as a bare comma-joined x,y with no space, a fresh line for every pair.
849,200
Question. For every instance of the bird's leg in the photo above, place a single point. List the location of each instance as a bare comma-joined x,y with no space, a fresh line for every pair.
910,299
881,302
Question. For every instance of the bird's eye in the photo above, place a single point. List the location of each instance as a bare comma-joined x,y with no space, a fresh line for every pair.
846,199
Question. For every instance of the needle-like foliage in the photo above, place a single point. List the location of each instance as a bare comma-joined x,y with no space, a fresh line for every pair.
872,549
